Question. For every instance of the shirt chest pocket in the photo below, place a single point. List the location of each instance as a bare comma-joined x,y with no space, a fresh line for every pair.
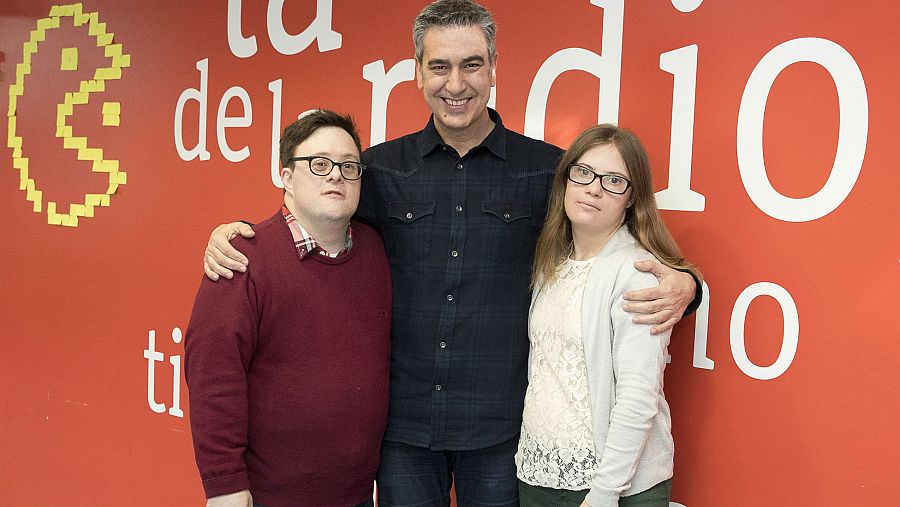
408,232
507,211
509,231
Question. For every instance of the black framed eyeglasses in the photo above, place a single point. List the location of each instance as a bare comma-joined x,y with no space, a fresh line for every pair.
322,166
584,175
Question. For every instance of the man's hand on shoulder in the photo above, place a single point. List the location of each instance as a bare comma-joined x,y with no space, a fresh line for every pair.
222,259
239,499
663,305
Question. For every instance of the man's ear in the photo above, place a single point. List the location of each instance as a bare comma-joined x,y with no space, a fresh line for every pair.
418,71
287,179
494,71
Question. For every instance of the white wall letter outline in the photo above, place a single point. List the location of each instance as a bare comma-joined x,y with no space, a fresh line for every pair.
240,46
199,96
608,68
701,332
686,5
852,134
275,88
223,122
788,342
176,377
152,357
319,30
382,85
681,63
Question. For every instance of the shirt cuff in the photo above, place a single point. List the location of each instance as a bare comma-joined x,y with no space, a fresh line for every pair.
698,295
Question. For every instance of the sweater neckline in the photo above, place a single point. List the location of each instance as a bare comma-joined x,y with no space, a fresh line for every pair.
324,259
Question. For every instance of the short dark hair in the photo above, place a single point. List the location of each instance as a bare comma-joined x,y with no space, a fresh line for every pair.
454,13
300,130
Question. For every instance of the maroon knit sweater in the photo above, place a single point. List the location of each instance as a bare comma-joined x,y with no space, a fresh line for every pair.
287,371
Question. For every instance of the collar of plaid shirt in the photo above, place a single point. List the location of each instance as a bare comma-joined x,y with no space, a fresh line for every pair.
305,243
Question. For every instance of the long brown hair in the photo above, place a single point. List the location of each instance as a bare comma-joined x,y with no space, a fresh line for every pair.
642,217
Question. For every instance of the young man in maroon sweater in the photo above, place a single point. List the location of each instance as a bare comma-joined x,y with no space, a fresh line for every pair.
287,363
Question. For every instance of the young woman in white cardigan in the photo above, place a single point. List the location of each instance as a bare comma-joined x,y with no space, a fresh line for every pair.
596,428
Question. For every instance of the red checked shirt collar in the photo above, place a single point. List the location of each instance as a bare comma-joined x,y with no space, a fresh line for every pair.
305,243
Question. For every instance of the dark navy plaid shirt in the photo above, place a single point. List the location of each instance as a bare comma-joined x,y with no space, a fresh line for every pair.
460,236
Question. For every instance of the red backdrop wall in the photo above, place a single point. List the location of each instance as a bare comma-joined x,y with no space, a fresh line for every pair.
772,124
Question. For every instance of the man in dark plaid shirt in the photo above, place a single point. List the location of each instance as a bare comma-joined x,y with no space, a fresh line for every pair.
460,205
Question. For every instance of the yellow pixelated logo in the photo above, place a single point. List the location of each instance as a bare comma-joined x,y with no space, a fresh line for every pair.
117,60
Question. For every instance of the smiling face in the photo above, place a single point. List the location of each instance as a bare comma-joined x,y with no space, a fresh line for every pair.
456,76
593,211
322,199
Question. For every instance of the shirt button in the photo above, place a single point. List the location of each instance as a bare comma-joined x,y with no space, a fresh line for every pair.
454,253
443,345
459,166
458,208
449,297
505,215
409,216
438,387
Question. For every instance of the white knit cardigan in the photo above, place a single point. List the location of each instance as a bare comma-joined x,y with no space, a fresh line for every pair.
625,364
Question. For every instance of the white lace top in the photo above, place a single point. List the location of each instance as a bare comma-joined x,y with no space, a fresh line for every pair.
556,446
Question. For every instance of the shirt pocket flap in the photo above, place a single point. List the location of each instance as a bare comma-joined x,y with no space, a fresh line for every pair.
409,212
506,210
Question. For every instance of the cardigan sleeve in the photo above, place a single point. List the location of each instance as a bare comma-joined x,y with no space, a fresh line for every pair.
638,362
219,344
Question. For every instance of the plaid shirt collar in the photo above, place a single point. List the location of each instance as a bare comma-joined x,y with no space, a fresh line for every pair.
495,142
305,243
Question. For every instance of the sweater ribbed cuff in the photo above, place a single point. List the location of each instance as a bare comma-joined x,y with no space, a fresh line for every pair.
217,486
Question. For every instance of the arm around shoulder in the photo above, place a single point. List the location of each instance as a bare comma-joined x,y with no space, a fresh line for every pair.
677,294
221,259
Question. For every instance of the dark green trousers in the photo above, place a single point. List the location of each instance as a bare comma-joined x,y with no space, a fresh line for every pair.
538,496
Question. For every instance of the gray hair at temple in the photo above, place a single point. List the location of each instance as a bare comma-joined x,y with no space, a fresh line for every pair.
454,13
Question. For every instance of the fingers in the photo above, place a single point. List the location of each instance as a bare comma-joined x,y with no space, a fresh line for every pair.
212,275
657,318
226,255
661,306
649,294
244,230
214,270
645,307
659,312
214,263
665,326
220,258
662,317
652,266
223,253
